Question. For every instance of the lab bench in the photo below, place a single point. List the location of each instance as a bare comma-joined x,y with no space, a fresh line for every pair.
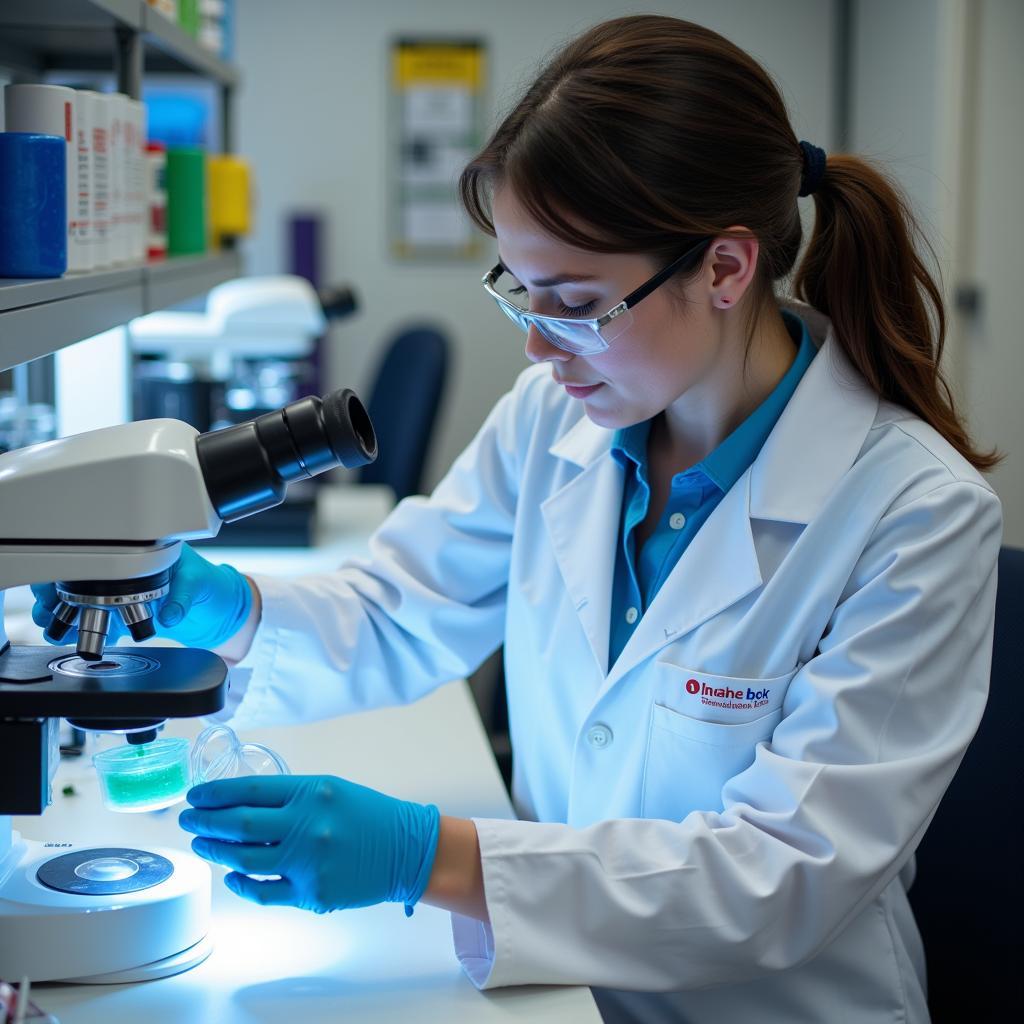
279,963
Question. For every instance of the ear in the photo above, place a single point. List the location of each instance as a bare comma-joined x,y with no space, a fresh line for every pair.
731,264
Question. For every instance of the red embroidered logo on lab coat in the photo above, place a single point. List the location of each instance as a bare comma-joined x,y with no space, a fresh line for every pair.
724,696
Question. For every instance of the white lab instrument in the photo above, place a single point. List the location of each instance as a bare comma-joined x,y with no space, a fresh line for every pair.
253,317
104,514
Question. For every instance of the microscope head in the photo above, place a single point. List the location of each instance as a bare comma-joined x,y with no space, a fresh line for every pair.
104,513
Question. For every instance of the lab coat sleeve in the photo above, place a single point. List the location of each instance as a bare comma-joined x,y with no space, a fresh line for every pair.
427,606
874,727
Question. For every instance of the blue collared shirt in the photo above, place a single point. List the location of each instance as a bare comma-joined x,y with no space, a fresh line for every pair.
694,495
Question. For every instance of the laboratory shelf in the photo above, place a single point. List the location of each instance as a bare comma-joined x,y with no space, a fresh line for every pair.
131,39
40,316
169,48
17,292
81,35
183,277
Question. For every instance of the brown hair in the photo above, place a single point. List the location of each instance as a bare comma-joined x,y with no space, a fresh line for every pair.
646,133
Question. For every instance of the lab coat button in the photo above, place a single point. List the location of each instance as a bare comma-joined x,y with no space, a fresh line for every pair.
677,521
599,736
632,615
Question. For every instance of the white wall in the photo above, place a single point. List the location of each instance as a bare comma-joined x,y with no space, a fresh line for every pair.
936,85
906,91
311,116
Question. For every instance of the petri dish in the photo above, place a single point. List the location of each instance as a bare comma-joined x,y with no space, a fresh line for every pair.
144,777
218,753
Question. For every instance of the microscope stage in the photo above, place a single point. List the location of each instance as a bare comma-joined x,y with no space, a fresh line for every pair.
150,682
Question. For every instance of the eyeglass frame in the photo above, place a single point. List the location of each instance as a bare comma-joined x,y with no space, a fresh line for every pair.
595,323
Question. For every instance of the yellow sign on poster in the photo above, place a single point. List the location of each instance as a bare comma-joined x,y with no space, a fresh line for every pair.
441,64
438,115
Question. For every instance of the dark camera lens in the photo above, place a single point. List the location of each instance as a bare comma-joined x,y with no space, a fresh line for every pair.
248,467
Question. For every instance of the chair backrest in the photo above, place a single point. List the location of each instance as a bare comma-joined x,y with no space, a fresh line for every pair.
403,405
967,896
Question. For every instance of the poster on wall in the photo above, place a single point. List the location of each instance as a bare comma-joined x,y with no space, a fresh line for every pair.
437,87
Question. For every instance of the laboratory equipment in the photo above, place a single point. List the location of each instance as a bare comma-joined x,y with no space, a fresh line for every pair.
158,774
246,353
250,350
156,198
33,215
230,198
186,200
50,110
219,754
104,513
81,239
144,776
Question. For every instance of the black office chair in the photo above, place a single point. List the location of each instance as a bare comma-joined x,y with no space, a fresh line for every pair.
403,405
967,896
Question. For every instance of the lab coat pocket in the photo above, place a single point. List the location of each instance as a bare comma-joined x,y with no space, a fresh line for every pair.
690,760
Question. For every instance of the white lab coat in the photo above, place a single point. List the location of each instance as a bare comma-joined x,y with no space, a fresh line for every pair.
745,856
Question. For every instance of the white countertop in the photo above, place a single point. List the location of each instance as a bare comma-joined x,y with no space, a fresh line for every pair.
281,964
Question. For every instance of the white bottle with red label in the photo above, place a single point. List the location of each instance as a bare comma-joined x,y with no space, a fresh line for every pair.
156,225
100,234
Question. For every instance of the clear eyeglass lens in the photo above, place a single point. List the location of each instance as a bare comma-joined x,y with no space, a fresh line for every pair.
579,338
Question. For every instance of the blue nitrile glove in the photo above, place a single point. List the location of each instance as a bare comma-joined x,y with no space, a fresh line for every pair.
205,605
334,844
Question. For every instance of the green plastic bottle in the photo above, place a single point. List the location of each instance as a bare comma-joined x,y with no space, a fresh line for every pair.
186,200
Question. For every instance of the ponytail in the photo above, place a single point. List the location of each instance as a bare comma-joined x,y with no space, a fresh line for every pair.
862,270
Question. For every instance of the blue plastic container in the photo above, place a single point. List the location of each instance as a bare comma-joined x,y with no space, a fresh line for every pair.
33,205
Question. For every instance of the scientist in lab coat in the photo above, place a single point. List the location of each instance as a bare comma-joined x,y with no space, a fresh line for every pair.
737,547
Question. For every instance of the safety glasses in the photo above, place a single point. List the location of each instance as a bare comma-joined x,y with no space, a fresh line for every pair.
580,336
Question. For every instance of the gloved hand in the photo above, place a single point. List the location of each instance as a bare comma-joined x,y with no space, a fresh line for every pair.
205,605
335,844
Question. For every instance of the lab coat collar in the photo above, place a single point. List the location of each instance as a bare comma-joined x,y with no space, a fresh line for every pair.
582,520
815,441
583,442
819,434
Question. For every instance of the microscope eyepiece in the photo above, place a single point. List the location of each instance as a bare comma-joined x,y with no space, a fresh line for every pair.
248,467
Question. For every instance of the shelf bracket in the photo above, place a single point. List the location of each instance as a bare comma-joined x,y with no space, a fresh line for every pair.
128,62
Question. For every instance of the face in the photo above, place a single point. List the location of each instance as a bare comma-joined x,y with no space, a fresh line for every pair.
664,354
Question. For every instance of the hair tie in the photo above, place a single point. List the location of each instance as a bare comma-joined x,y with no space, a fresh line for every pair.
814,168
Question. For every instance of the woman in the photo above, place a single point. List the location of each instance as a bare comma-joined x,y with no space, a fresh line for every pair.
738,550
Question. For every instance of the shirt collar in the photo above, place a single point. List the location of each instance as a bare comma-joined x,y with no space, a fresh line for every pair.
630,445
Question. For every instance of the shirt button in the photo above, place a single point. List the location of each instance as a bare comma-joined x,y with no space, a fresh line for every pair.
632,615
678,521
599,736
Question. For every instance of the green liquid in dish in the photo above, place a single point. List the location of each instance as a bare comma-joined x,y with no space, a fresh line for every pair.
135,786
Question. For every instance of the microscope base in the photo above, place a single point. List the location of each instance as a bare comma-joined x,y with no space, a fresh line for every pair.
51,935
177,964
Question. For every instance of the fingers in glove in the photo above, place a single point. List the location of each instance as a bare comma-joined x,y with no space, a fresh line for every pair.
272,893
188,576
245,857
248,791
236,824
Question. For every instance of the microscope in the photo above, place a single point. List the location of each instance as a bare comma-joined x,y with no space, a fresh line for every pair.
104,514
